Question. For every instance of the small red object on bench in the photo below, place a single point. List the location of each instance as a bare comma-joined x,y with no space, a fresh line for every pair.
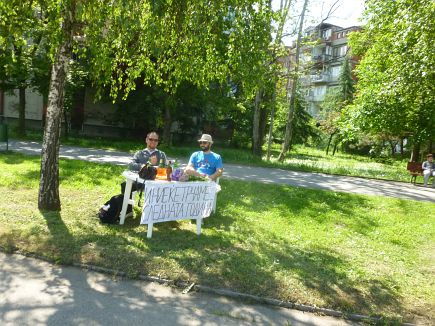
415,170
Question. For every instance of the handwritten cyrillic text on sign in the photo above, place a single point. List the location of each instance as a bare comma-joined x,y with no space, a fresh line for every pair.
168,201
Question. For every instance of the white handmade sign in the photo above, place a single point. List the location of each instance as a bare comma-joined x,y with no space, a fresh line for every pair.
169,201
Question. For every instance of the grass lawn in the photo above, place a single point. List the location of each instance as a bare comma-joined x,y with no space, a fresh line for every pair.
358,254
300,158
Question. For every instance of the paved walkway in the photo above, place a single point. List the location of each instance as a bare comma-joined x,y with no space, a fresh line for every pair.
266,175
34,292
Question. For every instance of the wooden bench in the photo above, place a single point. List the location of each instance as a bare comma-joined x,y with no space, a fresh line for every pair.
415,170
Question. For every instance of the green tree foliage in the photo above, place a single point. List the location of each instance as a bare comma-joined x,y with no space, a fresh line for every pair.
396,88
162,42
16,26
21,39
303,123
332,115
74,93
346,82
289,131
193,107
168,42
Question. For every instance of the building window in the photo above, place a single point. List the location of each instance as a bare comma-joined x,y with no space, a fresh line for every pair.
326,34
319,91
335,71
340,51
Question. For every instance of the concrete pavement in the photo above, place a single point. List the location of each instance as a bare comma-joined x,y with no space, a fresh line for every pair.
266,175
34,292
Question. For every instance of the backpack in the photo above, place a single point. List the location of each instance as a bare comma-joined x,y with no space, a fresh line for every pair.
110,211
148,172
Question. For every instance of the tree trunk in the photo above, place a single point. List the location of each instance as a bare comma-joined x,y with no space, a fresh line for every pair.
22,111
48,197
2,105
329,142
272,117
335,147
77,113
401,146
167,124
288,128
392,147
44,109
283,16
256,128
67,123
415,155
270,135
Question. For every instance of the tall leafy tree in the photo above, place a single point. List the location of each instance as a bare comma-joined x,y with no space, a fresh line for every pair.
283,15
396,88
346,81
303,124
291,110
20,38
332,115
163,42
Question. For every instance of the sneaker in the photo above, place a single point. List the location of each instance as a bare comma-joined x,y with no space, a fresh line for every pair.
129,212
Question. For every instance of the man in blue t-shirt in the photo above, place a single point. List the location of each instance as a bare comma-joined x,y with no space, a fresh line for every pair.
205,163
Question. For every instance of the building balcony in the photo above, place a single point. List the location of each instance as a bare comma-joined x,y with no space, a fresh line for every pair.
326,41
305,80
322,57
321,78
314,98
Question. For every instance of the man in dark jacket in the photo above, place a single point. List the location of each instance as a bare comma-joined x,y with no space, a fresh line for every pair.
150,154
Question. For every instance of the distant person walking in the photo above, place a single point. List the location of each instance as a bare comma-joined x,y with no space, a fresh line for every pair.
429,170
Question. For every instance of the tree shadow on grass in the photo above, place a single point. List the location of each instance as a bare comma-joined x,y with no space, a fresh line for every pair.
217,261
63,243
320,269
29,176
217,258
324,272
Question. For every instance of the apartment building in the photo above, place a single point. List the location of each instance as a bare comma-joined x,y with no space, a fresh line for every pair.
322,62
